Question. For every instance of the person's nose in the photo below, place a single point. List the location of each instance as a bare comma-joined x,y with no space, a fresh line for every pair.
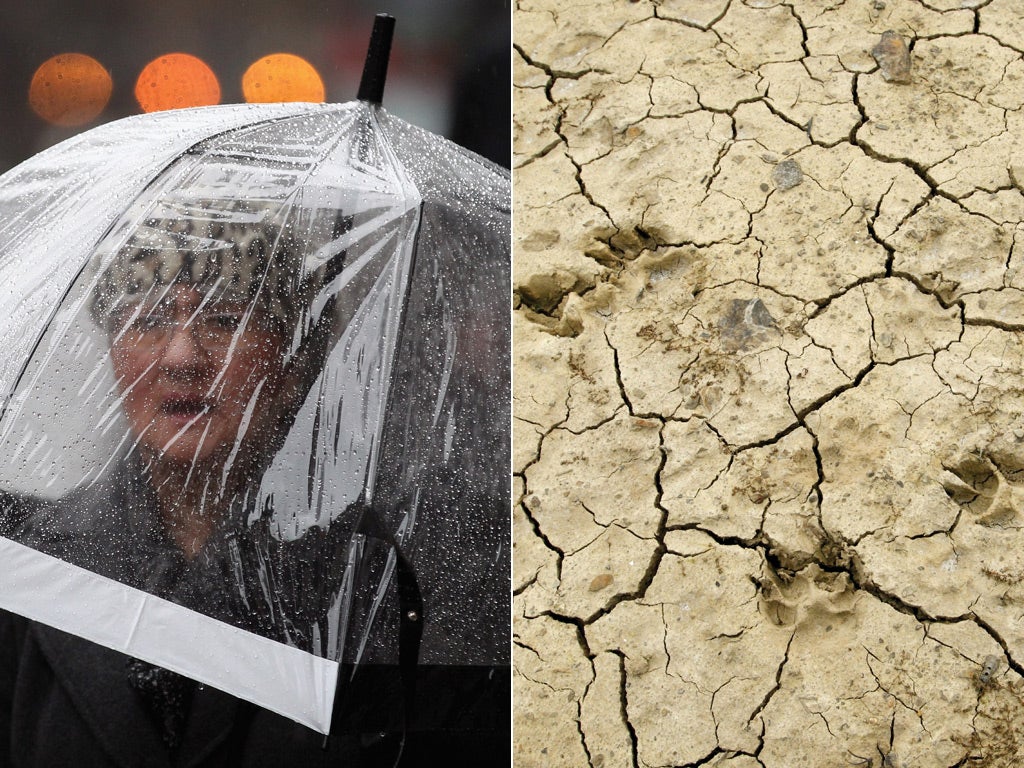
182,351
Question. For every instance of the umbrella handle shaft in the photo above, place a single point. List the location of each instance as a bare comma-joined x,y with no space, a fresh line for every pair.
375,69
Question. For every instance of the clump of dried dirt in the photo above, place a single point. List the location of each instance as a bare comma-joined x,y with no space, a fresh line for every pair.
893,57
769,375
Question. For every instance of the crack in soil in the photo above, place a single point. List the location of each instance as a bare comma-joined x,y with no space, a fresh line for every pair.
632,241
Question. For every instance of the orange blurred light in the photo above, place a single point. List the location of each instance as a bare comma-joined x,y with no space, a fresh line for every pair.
175,81
282,77
70,89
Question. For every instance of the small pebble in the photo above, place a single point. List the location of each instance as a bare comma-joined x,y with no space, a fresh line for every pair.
893,57
601,581
988,670
787,174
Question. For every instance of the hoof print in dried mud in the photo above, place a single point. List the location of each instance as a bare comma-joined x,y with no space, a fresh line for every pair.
769,372
983,489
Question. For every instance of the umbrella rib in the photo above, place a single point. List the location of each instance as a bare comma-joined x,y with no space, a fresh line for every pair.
312,352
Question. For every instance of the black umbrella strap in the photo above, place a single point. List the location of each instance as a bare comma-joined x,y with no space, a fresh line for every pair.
410,606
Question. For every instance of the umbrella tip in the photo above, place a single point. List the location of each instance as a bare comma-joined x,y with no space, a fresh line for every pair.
375,70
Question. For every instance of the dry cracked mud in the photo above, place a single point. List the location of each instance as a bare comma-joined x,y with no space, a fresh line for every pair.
769,383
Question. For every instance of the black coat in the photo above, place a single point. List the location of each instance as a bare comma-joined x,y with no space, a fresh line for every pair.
67,701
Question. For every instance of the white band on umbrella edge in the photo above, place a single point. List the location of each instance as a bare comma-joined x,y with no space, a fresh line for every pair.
283,679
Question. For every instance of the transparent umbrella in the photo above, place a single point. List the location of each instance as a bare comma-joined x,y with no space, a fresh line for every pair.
256,411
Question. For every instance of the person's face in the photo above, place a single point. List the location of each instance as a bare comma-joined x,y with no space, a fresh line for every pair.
190,372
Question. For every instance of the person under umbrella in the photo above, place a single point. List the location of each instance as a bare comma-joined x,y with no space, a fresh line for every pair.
206,310
254,430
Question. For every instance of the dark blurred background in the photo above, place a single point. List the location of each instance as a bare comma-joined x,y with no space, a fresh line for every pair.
449,71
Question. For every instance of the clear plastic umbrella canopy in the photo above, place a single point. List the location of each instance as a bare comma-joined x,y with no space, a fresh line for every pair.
255,396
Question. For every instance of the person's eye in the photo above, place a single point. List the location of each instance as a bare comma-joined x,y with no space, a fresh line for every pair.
224,321
151,322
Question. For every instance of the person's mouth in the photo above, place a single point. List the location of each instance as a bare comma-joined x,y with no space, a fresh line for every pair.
185,407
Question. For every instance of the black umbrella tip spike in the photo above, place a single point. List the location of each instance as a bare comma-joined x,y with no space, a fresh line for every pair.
375,70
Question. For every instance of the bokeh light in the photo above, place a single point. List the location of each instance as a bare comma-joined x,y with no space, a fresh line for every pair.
70,89
175,81
282,77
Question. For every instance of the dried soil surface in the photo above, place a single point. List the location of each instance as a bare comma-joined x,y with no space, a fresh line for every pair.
769,383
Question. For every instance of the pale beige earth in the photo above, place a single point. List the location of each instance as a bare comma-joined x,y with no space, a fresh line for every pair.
769,383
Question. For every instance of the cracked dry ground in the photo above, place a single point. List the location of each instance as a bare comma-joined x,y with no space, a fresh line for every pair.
769,382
